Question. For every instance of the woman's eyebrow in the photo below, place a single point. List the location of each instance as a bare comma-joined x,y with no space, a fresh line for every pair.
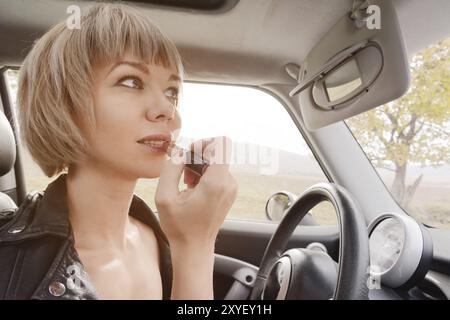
140,66
174,77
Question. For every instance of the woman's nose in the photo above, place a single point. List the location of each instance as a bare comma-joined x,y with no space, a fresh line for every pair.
160,109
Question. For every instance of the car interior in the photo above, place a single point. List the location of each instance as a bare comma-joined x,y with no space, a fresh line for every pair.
325,62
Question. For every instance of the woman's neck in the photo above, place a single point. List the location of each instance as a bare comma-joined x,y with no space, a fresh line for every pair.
99,204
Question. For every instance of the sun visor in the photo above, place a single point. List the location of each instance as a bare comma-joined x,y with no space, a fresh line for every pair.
361,63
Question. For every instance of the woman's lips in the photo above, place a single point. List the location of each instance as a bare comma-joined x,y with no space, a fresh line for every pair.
157,137
156,143
156,149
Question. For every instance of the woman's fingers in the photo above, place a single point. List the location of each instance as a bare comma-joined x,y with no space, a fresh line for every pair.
215,179
168,181
219,151
197,212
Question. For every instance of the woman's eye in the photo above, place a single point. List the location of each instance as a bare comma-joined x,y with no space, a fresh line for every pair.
131,82
172,94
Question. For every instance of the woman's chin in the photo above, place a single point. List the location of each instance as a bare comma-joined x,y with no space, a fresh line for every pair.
151,172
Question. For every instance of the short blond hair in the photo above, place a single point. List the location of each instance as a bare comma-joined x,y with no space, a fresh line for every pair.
56,78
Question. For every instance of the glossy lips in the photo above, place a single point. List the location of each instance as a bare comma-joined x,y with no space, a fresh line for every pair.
156,143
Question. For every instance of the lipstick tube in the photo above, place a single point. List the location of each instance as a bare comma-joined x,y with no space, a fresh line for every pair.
194,162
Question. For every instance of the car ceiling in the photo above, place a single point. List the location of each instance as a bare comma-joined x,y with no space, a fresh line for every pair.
248,44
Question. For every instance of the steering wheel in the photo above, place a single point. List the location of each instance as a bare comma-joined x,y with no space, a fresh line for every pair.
312,274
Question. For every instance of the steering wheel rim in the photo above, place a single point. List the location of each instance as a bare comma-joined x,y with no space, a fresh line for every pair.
353,267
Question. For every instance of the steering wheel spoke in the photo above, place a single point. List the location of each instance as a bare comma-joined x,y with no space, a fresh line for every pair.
243,274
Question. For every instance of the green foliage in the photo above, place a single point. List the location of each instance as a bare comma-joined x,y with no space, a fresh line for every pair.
416,127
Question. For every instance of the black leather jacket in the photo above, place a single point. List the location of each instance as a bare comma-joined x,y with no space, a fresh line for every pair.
38,259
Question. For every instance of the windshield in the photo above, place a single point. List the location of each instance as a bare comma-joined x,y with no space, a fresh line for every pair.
408,140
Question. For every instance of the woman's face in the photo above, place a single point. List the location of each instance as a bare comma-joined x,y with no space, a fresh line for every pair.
133,101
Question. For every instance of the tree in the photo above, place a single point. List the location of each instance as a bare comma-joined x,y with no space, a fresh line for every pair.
414,128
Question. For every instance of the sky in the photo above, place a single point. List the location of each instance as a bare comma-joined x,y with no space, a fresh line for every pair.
241,113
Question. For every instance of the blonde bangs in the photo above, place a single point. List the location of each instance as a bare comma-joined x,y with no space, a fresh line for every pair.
115,29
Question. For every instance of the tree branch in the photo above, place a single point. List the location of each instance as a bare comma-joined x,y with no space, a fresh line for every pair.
394,120
420,128
411,132
437,128
406,126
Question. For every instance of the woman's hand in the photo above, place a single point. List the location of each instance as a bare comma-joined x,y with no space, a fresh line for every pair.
191,218
195,214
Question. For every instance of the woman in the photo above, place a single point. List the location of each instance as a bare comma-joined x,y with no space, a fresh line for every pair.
99,106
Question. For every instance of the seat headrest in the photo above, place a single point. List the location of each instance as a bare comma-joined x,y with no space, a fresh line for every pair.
7,146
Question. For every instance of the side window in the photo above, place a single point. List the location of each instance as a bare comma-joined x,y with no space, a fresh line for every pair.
269,153
408,140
